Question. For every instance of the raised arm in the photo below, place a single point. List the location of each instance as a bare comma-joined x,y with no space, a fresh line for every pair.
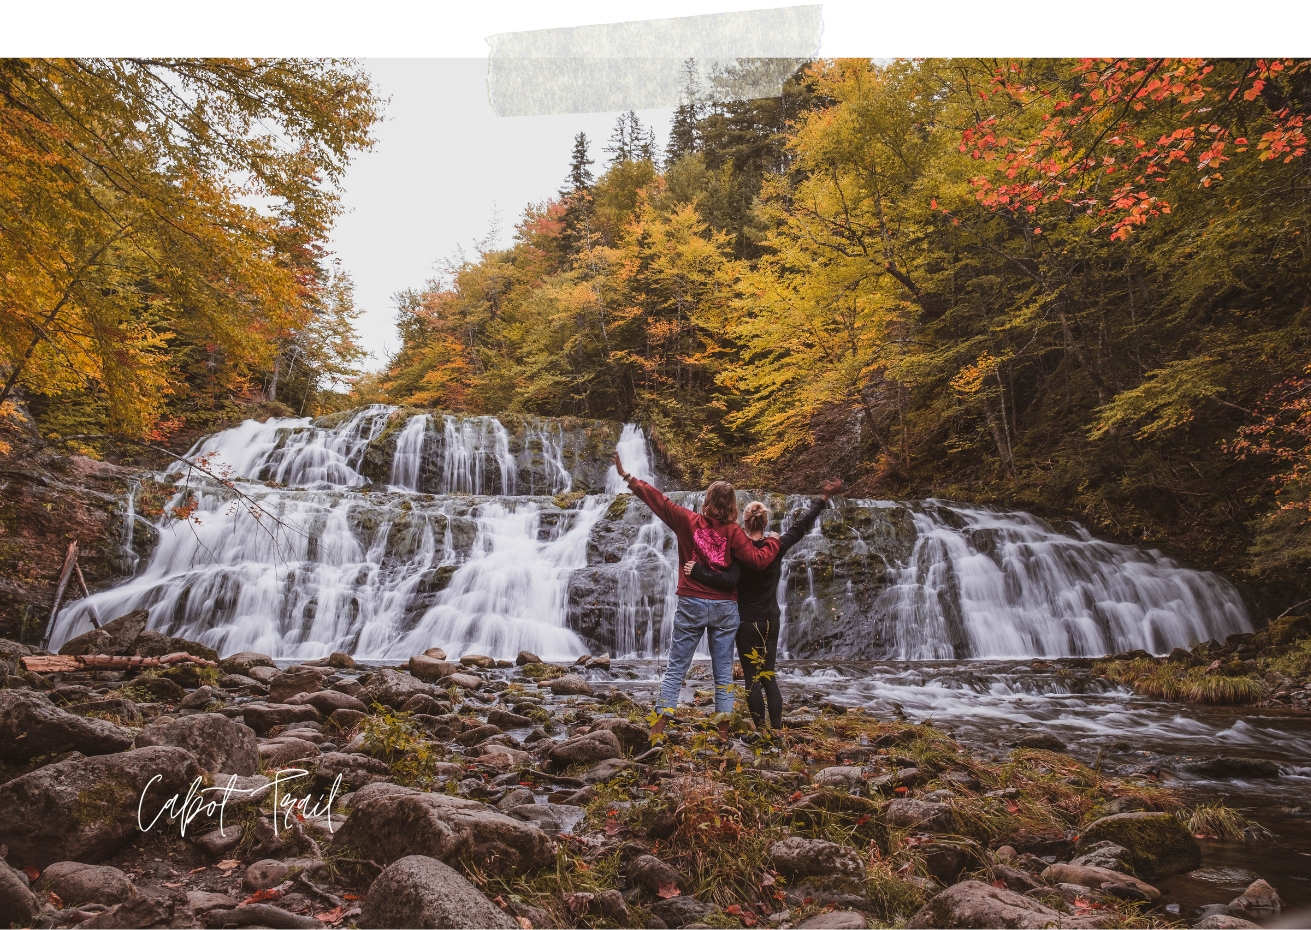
725,581
668,512
807,521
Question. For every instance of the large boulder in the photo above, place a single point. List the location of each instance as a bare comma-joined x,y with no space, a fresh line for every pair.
978,904
115,638
152,644
392,688
30,725
419,891
262,717
801,856
929,816
1117,883
632,737
388,822
570,684
282,752
289,684
242,662
18,906
427,668
328,701
584,750
219,743
86,809
1158,844
356,769
79,883
151,907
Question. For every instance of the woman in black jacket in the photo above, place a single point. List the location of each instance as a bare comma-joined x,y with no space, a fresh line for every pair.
757,600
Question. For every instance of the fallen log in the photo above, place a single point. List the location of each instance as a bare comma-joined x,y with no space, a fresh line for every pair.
47,664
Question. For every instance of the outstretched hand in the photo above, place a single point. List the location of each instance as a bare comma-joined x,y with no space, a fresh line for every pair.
687,567
619,467
830,487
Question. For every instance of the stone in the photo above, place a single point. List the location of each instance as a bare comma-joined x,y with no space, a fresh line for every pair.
462,680
326,702
527,658
1040,741
198,698
542,671
261,915
605,770
1094,877
218,743
263,673
218,843
1224,922
289,684
160,689
426,668
800,856
341,660
477,661
240,663
115,638
1259,896
835,920
388,822
80,883
343,721
435,653
1226,767
515,797
840,776
281,752
681,911
202,901
1104,856
420,891
650,874
600,662
475,735
978,904
501,757
427,704
266,873
549,818
611,905
18,906
391,688
85,809
1158,844
570,684
356,769
632,737
1014,879
584,750
31,725
928,816
150,907
944,861
507,720
262,717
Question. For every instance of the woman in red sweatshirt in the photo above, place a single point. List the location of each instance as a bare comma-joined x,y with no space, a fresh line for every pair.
711,538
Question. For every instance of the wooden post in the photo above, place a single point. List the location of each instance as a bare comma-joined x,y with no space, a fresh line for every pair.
69,560
95,617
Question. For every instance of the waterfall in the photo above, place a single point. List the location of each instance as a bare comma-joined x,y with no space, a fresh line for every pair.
308,536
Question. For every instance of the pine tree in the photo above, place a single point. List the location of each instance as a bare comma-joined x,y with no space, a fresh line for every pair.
646,149
620,147
580,175
683,136
577,197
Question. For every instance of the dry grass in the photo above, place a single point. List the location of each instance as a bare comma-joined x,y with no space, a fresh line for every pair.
1173,682
1214,820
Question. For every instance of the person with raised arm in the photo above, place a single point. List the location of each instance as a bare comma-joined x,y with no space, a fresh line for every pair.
711,538
757,599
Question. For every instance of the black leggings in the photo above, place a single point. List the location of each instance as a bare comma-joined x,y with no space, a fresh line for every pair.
761,639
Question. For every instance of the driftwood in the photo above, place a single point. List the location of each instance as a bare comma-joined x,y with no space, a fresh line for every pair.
112,663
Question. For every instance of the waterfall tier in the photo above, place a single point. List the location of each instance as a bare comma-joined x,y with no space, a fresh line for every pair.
382,532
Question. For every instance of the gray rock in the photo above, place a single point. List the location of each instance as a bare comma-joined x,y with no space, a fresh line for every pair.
477,661
392,688
219,743
550,818
220,842
427,668
18,906
1094,877
835,920
289,684
527,658
150,907
1104,856
86,809
1158,845
356,769
420,891
284,750
650,873
342,721
241,663
507,720
260,915
611,904
681,911
1040,741
1226,767
587,749
79,883
978,904
202,901
570,684
266,873
30,725
632,737
462,680
198,698
388,822
115,638
427,704
514,798
262,717
924,815
264,674
800,856
1224,922
1259,896
840,776
328,702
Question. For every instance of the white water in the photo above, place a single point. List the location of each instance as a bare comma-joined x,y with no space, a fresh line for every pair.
302,556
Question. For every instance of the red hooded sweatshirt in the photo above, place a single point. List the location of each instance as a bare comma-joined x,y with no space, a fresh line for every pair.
707,541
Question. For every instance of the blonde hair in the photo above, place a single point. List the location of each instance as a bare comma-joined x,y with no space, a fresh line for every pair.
756,517
720,503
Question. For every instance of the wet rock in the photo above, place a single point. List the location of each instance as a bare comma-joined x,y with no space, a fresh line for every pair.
801,856
923,815
391,688
540,671
632,737
426,668
388,822
477,661
289,684
527,658
150,907
475,735
977,904
1259,896
80,883
515,797
262,717
835,920
681,911
18,906
86,809
218,743
115,638
1224,922
584,750
507,720
1225,767
599,662
356,769
427,704
264,874
420,891
501,757
1039,741
281,752
326,702
241,663
570,684
462,680
219,842
1105,856
341,660
1158,844
31,725
550,818
651,874
840,776
1093,877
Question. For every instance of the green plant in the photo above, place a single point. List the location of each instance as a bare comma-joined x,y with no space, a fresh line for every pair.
393,737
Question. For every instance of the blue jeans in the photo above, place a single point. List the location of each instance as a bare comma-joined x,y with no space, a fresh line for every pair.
719,621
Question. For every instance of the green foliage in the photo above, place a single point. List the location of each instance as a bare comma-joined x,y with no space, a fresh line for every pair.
1213,819
393,737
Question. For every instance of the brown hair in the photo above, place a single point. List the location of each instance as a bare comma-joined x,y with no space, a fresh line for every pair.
720,503
756,517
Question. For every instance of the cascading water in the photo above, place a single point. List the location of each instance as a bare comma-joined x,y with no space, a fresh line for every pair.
378,533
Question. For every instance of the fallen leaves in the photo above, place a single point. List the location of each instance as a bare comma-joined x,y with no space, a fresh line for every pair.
668,890
227,865
264,894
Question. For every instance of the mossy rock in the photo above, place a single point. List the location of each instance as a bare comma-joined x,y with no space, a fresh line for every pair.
1158,844
542,671
1286,630
618,507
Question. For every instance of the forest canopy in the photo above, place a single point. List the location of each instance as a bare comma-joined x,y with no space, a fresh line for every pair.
1074,286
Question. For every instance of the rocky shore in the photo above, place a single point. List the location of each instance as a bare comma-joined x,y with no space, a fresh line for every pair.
473,792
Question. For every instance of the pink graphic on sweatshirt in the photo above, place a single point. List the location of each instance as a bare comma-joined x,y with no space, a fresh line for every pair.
712,547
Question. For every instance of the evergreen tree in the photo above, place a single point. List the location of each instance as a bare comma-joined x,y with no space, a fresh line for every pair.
683,137
577,197
620,147
580,174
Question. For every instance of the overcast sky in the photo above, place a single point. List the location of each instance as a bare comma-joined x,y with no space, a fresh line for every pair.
443,165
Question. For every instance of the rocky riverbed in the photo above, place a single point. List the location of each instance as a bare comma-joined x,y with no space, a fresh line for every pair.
489,793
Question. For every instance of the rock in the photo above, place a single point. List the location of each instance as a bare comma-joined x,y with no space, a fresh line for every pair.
475,735
219,842
1158,844
507,720
264,874
527,658
30,725
391,688
160,689
84,809
419,891
343,721
1259,896
356,769
1040,741
1104,856
835,920
907,777
281,752
840,776
945,861
1014,879
611,905
602,662
801,856
218,743
570,684
681,911
605,770
540,671
18,906
150,907
1224,922
1005,853
79,883
260,915
435,653
427,704
1094,877
202,901
651,874
924,815
326,702
1225,767
387,823
514,797
241,663
151,644
263,673
290,684
501,757
115,638
462,680
262,717
341,660
429,669
977,904
584,750
477,661
549,818
632,737
198,698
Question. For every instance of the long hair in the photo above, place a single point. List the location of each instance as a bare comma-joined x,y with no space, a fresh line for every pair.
755,518
720,503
